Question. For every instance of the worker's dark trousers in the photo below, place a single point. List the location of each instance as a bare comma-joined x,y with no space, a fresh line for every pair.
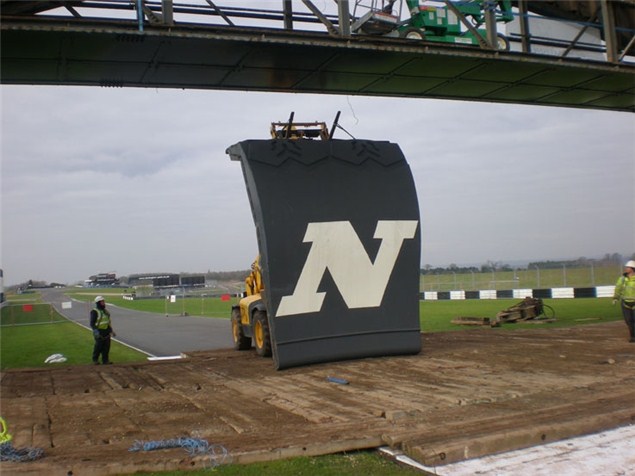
102,347
629,317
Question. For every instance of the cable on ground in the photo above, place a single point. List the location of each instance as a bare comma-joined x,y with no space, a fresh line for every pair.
217,454
9,453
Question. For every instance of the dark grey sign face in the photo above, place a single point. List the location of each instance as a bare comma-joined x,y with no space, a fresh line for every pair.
339,237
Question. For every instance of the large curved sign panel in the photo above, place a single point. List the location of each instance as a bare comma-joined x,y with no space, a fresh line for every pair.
339,237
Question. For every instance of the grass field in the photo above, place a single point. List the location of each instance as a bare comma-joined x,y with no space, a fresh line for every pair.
31,333
435,316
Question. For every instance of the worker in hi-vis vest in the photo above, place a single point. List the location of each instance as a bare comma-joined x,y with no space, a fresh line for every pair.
102,331
625,295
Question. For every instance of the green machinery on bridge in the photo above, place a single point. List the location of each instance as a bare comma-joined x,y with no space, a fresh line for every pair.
458,22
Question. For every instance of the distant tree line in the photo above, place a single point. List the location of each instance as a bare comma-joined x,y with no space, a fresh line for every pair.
607,260
582,262
453,268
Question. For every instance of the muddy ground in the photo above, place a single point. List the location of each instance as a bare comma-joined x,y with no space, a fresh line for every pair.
467,394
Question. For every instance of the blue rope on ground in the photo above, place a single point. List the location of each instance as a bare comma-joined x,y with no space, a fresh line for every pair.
194,447
191,445
9,453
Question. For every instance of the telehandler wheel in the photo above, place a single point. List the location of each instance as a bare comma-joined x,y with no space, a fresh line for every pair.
241,341
262,336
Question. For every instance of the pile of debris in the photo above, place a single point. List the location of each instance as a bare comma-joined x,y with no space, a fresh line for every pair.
528,310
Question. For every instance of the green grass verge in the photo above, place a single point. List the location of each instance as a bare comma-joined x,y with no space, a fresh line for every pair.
436,316
352,464
29,336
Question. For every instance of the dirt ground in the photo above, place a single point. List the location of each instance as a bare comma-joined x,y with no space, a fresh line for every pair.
467,394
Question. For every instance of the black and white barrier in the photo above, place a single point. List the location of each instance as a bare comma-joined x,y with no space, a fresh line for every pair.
546,293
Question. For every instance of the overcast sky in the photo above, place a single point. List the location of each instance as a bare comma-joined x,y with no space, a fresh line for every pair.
137,180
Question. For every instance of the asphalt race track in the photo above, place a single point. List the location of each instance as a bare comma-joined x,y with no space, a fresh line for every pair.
154,334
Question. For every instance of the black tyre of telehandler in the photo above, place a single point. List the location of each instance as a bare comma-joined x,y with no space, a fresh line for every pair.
262,335
241,341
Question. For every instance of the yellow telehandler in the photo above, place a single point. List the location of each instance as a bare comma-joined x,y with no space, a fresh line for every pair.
249,317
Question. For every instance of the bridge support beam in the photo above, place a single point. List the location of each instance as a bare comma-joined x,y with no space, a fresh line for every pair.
344,17
48,50
525,35
287,14
490,24
167,9
610,37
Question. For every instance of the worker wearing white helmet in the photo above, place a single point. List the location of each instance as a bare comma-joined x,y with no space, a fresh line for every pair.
102,331
625,294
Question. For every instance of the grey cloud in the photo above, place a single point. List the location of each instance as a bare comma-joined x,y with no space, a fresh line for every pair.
136,180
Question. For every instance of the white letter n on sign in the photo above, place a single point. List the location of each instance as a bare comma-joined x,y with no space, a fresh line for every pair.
337,247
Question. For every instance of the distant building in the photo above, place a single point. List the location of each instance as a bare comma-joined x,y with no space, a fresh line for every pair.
157,280
193,281
102,279
166,280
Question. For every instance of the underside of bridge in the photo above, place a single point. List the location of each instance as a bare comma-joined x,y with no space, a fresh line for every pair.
38,48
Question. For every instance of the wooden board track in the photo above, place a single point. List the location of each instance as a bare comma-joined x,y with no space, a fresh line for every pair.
467,394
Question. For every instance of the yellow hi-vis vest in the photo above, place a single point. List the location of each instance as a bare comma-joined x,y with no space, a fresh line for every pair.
103,319
625,289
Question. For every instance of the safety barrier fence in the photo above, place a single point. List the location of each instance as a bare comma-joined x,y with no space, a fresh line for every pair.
534,276
29,314
545,293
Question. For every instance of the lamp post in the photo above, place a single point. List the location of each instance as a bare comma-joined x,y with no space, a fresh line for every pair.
537,276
